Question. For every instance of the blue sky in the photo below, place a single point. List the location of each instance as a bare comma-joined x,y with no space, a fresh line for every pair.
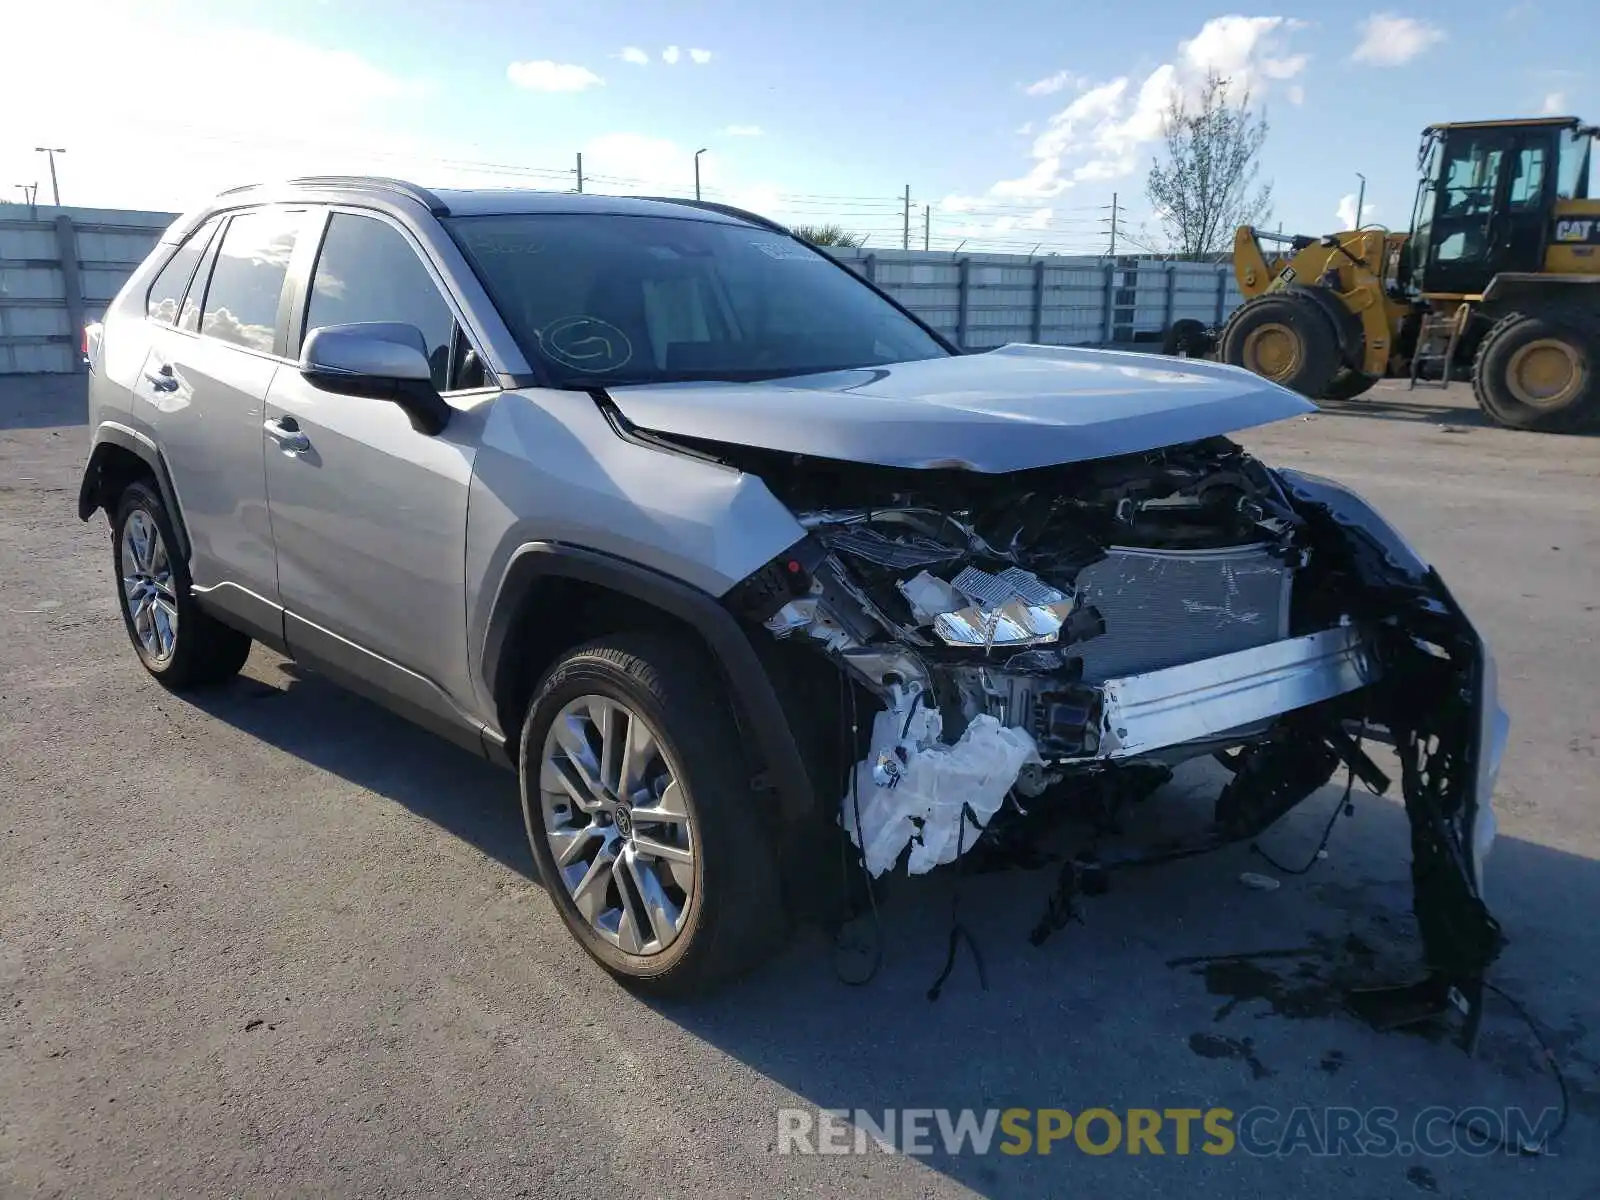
1015,122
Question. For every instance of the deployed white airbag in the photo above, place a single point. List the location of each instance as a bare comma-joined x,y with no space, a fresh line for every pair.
926,783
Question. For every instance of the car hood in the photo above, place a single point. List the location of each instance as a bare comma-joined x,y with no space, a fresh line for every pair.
1003,410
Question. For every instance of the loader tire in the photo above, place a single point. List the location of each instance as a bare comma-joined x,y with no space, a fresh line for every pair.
1286,338
1348,384
1540,371
1188,338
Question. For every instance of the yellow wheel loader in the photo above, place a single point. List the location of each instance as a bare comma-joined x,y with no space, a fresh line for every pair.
1499,278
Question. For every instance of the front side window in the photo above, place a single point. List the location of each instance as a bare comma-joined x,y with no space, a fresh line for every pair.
241,303
166,293
630,299
368,271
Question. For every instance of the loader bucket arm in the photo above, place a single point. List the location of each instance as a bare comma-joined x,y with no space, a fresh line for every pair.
1250,267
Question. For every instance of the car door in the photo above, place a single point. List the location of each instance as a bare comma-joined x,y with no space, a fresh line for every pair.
204,387
369,515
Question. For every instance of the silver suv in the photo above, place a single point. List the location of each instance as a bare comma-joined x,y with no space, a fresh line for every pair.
739,564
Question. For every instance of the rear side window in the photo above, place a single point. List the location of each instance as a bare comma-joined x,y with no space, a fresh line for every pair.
247,282
166,293
368,271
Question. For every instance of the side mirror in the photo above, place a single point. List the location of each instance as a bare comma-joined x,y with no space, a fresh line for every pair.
383,360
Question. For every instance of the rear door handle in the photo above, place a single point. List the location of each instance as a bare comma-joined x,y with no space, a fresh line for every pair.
162,379
286,432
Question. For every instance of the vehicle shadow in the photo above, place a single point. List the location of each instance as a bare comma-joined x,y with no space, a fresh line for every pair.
321,723
1423,406
43,401
1157,996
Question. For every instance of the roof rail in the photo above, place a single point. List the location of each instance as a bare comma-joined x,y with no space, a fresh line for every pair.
381,183
376,182
726,210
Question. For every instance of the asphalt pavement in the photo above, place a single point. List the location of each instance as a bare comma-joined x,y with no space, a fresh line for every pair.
273,941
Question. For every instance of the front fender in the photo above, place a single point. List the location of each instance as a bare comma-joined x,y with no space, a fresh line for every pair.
757,701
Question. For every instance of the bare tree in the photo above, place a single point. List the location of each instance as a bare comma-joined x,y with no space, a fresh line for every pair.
1207,186
826,235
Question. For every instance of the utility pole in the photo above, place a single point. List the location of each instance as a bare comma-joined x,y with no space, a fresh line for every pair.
905,236
697,155
51,152
927,224
1112,253
1361,197
580,172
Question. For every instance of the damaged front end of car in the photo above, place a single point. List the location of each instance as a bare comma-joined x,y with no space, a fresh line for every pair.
1065,634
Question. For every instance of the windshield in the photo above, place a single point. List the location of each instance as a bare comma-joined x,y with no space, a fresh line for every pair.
610,299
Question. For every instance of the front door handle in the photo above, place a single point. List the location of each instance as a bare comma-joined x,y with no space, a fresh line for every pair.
286,432
162,379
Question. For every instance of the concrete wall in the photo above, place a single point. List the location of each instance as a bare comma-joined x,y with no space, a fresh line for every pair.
59,267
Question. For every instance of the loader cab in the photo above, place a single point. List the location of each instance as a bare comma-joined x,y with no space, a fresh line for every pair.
1485,197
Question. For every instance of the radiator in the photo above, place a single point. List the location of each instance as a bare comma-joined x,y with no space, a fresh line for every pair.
1163,608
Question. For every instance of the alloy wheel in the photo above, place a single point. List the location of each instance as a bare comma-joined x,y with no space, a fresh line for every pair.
147,583
617,824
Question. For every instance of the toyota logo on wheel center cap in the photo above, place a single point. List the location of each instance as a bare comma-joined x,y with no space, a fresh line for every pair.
624,820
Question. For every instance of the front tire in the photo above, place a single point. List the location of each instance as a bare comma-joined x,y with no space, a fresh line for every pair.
1286,338
643,824
177,641
1539,372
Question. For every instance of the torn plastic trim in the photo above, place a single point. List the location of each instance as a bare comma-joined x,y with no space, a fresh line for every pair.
1200,700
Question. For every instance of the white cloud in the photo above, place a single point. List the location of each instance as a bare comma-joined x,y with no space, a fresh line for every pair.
700,56
1555,105
1347,211
669,55
542,75
1388,40
1025,129
1102,133
1052,84
634,55
743,131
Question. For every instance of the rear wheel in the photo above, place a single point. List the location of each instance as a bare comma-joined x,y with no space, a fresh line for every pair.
178,642
1285,338
641,818
1540,372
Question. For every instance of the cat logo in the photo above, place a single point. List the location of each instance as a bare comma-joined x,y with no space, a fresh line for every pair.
1576,231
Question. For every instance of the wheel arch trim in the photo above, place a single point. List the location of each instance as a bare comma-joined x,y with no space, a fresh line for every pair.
751,686
111,436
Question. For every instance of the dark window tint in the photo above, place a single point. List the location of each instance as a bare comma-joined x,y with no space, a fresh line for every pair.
247,282
166,293
368,271
646,299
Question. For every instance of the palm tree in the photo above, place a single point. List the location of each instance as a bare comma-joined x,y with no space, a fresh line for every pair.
826,235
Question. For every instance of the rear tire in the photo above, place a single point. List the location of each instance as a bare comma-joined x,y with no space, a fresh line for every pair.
671,886
178,642
1540,372
1286,338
